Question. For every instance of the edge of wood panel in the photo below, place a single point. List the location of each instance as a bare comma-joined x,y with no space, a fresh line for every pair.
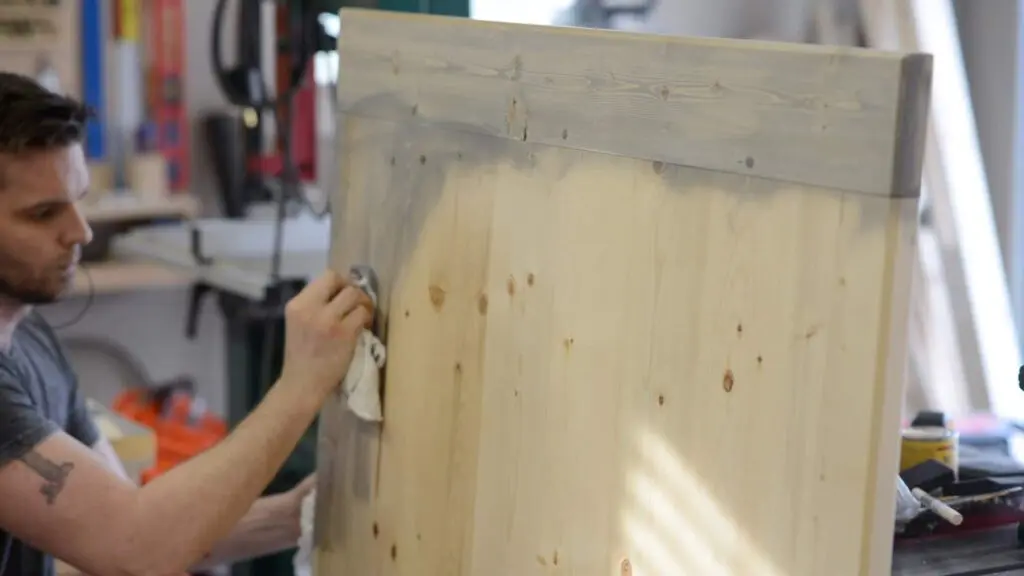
912,124
890,387
846,114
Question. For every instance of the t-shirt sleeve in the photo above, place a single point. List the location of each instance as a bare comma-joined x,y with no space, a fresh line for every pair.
22,426
81,426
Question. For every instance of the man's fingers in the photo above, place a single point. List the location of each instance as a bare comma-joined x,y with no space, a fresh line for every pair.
360,317
307,484
349,299
322,289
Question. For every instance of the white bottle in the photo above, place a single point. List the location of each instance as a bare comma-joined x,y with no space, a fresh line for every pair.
46,75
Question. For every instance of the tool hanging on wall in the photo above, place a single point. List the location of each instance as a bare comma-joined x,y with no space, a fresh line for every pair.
271,82
254,85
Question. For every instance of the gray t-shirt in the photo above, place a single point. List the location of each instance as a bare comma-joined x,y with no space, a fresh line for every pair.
38,396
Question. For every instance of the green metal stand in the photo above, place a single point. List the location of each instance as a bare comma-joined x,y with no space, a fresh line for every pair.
444,7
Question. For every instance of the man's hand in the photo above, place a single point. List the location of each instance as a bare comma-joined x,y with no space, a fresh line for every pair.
300,490
178,518
294,498
322,325
273,524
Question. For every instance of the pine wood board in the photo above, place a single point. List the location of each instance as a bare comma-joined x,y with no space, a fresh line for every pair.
678,350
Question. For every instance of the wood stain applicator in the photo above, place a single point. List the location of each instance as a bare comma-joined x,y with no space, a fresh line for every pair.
361,386
361,390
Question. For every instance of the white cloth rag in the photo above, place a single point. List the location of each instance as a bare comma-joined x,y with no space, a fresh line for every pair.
907,505
361,387
302,562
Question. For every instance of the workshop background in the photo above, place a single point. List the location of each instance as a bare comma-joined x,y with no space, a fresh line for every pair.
125,323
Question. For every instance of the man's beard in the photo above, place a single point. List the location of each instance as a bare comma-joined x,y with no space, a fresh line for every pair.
26,295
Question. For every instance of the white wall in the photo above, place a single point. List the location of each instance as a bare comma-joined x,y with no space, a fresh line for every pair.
988,33
777,19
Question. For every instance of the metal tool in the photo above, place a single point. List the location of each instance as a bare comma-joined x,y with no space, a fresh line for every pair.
366,279
361,385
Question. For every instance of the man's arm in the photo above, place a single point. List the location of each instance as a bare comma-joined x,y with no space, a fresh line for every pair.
105,451
271,525
58,494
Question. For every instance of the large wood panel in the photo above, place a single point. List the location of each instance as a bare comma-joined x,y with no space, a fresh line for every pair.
645,301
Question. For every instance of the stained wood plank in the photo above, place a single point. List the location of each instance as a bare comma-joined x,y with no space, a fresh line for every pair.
720,104
562,327
391,197
600,362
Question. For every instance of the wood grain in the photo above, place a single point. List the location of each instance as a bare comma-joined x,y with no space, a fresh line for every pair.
604,364
591,356
845,113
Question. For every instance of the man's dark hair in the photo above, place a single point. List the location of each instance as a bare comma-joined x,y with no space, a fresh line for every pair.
35,118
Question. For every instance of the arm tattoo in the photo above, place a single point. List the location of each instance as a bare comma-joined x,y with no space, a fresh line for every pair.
54,474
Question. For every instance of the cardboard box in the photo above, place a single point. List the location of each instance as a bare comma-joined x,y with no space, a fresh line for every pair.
134,443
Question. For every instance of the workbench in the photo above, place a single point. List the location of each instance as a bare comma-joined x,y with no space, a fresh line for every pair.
234,256
984,553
